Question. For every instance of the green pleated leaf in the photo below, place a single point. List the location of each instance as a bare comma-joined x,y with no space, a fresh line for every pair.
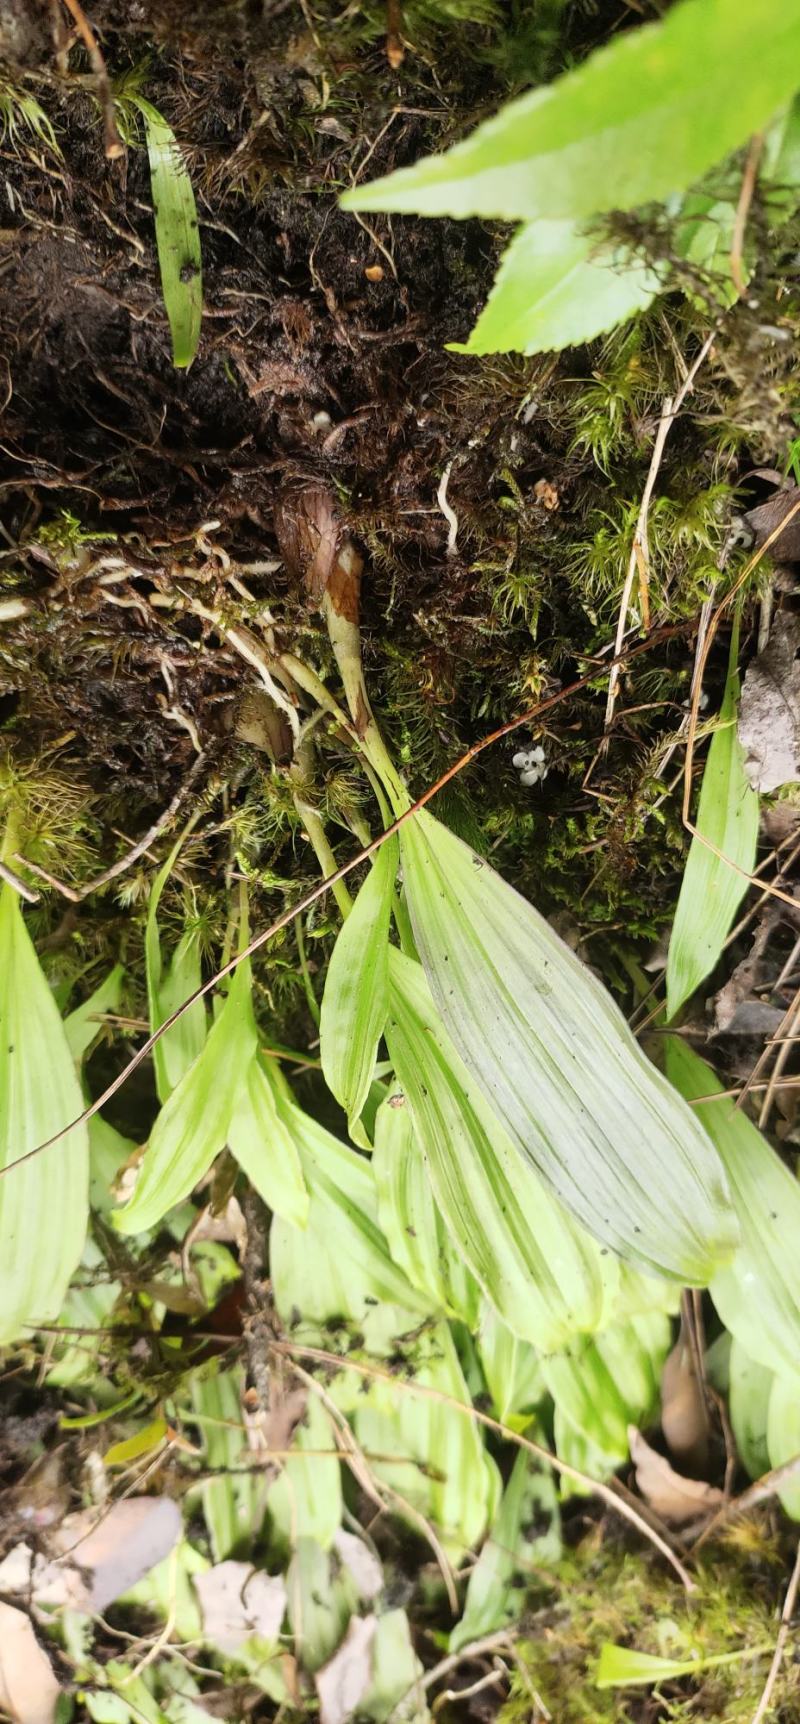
557,285
642,118
603,1385
711,892
44,1204
192,1127
411,1219
339,1264
233,1507
321,1597
551,1053
180,1046
177,233
306,1500
264,1146
525,1536
578,1451
441,1467
355,1001
758,1294
749,1389
512,1369
783,1436
541,1272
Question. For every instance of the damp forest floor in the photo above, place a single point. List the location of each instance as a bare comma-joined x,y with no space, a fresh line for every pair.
144,585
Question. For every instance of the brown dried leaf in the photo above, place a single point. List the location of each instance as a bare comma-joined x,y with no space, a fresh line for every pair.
99,1555
673,1497
769,515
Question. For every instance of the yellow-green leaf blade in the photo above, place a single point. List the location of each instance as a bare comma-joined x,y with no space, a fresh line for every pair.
556,1063
642,118
192,1127
541,1271
355,1000
758,1293
266,1149
557,286
44,1204
711,891
177,234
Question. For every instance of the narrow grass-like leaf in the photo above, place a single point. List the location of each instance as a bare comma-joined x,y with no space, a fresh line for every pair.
758,1294
44,1204
529,1501
356,997
642,118
750,1386
411,1218
265,1148
192,1127
556,1062
711,891
541,1271
177,234
557,285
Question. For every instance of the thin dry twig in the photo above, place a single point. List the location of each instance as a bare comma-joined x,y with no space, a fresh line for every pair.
639,560
746,191
76,894
114,147
780,1645
409,1386
17,885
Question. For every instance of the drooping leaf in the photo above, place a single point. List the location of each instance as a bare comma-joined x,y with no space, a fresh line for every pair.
758,1294
321,1598
44,1204
783,1436
177,234
750,1386
642,118
356,997
412,1219
192,1127
395,1692
525,1535
265,1148
555,1060
541,1271
179,1047
558,285
711,891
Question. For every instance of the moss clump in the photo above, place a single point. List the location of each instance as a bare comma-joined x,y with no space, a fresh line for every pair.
604,1593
